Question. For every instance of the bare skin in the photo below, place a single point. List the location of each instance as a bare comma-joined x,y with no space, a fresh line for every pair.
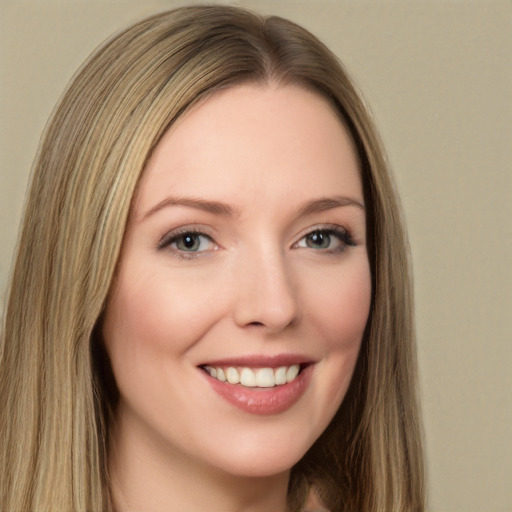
245,253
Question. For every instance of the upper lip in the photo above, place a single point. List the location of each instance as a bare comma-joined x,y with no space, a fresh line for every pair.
261,361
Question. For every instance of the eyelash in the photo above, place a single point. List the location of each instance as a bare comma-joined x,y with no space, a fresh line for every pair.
175,236
343,236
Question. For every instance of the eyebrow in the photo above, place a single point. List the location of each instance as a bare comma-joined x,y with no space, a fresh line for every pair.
223,209
329,203
214,207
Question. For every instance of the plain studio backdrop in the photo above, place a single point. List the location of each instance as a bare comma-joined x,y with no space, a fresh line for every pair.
438,78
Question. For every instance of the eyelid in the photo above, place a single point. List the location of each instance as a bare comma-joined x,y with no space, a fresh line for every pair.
169,238
343,234
323,227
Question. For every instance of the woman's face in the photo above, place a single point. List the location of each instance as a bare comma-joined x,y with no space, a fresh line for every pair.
244,259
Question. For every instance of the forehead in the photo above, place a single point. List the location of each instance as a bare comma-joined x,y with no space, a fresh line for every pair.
250,139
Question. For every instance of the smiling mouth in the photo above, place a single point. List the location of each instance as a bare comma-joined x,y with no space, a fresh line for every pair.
260,385
264,377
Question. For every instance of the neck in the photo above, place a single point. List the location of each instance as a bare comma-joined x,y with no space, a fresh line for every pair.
151,478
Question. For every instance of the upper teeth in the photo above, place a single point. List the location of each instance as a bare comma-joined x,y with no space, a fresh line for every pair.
255,377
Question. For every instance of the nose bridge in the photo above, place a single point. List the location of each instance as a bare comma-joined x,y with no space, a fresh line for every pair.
267,295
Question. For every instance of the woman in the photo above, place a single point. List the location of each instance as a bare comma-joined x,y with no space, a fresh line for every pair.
211,236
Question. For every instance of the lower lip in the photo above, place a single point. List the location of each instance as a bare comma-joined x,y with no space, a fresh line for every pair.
263,400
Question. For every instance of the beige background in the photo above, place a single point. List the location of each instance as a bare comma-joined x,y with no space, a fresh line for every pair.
438,76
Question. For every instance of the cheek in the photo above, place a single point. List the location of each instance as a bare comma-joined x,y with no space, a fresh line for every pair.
150,324
341,308
340,313
154,313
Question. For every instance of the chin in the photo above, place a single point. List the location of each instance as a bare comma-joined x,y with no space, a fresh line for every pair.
262,459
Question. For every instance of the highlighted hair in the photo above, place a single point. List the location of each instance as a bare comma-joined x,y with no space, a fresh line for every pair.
57,394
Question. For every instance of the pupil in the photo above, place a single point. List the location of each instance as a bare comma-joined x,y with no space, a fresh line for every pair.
189,241
319,239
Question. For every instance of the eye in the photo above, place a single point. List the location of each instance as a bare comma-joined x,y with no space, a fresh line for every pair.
188,243
330,240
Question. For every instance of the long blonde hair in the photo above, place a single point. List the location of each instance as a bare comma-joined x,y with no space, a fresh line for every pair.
57,395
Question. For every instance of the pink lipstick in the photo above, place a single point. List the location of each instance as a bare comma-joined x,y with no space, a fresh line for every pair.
260,385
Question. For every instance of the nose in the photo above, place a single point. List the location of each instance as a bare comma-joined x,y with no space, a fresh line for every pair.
266,293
